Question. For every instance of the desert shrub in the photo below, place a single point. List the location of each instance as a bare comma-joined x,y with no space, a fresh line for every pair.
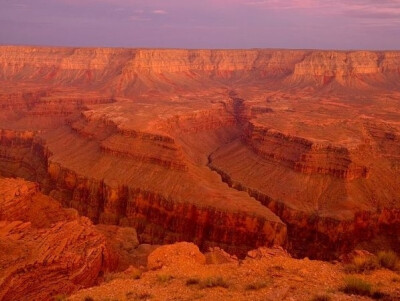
164,278
357,286
192,281
256,286
143,296
377,295
278,267
388,259
214,282
60,297
361,264
136,275
88,298
321,298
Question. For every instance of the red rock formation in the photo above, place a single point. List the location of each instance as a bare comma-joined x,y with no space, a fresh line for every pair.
46,250
181,253
303,155
125,136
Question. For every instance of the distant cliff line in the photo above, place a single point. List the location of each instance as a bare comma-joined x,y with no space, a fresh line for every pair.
125,71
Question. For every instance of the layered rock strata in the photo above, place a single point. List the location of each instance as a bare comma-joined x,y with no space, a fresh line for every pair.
46,250
125,135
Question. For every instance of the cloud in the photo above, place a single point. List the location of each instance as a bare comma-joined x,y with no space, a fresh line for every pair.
288,4
159,12
369,9
139,18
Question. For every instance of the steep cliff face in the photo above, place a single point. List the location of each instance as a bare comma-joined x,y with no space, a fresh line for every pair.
151,184
163,219
47,250
126,71
315,234
303,155
23,155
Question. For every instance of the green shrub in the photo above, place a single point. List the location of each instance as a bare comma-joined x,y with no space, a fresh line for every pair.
192,281
214,282
361,264
321,298
357,286
388,259
256,286
60,297
164,278
143,296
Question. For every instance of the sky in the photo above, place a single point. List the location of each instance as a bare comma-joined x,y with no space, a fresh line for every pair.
299,24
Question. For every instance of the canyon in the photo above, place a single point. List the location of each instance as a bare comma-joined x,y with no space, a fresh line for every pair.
236,149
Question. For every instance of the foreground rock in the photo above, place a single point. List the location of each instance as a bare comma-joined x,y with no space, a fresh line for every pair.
45,250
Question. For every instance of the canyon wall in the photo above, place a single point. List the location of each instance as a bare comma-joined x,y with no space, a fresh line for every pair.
307,140
158,218
126,71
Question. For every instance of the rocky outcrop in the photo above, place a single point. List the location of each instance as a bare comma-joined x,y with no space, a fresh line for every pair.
303,155
48,250
179,253
122,243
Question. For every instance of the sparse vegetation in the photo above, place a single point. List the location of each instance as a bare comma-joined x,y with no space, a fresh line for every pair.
384,259
137,274
256,286
357,286
361,264
132,274
321,298
214,282
60,297
192,281
143,296
278,267
88,298
163,278
389,260
130,294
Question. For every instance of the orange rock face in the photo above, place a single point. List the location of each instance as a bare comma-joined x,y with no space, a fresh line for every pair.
45,250
231,148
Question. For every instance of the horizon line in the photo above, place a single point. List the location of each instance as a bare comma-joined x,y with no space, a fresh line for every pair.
189,48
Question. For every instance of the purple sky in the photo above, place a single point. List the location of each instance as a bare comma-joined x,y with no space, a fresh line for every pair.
325,24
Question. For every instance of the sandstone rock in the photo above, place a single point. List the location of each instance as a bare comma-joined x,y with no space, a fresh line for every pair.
45,250
122,242
219,256
346,258
267,252
182,253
